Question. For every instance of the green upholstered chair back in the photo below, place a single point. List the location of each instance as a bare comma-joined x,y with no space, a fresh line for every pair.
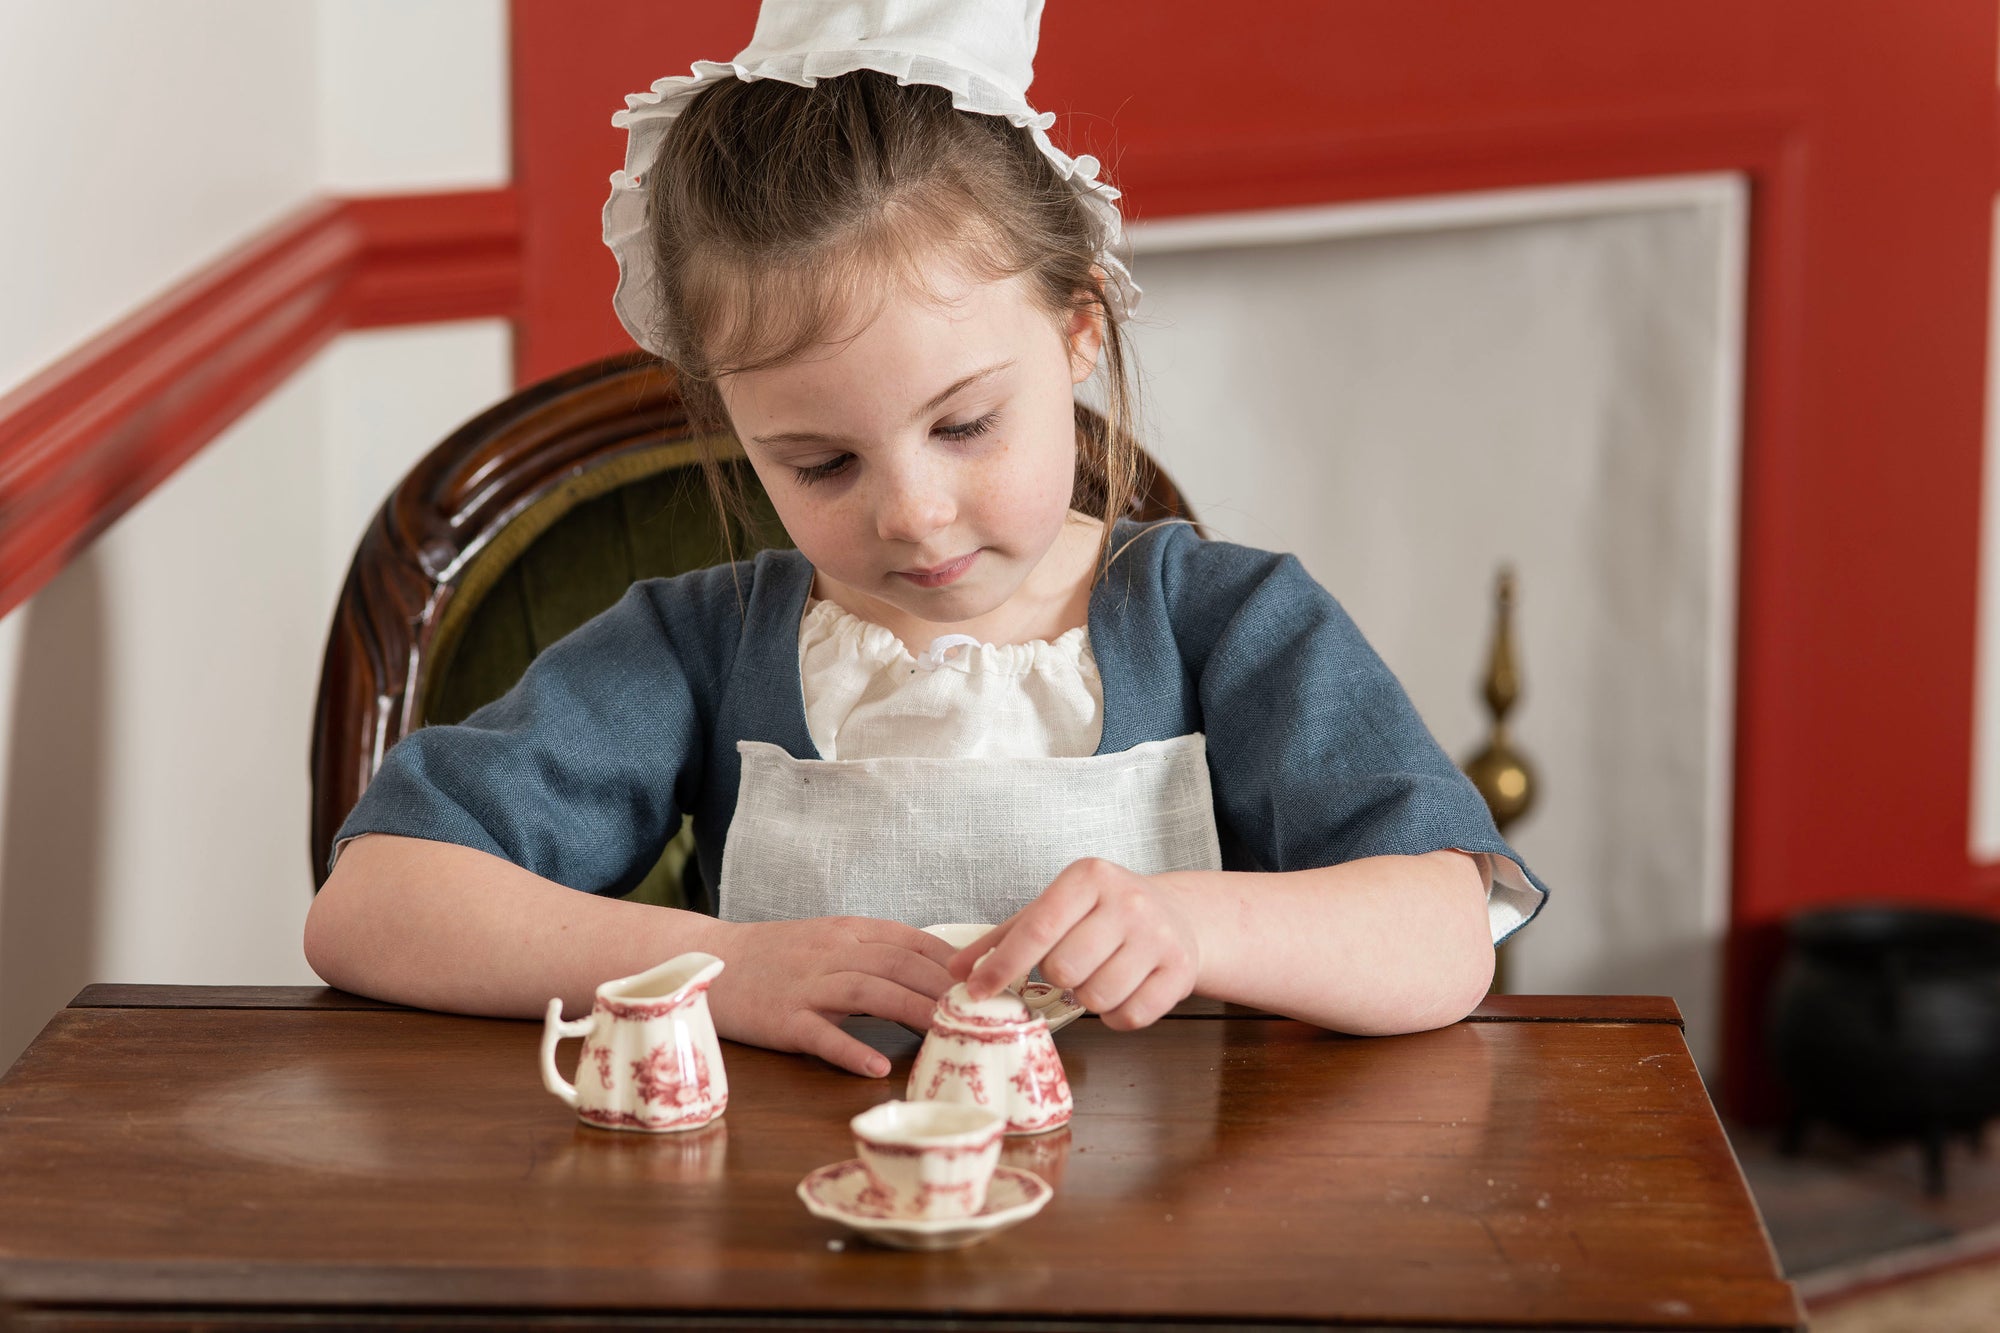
567,557
524,523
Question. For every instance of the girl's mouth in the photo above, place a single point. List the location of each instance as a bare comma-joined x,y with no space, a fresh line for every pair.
940,575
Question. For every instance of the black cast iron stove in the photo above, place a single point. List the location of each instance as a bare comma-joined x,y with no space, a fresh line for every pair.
1885,1021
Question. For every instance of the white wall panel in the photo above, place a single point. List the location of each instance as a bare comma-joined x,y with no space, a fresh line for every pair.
140,142
413,94
211,640
390,395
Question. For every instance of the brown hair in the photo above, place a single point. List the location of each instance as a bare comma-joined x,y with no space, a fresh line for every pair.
771,207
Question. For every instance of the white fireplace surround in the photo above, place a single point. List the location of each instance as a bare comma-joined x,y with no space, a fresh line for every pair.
1409,393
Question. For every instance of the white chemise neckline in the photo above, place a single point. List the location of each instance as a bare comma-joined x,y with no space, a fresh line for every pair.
867,696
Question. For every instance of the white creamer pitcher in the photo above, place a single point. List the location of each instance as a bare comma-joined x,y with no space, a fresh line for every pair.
651,1059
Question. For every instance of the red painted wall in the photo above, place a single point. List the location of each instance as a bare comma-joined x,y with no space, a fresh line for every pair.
1868,133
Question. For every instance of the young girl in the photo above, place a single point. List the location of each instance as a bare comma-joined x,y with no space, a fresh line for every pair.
974,692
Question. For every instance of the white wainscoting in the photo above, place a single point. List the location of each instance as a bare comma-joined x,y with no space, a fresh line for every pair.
156,697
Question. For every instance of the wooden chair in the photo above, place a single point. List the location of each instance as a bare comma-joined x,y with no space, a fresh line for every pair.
528,520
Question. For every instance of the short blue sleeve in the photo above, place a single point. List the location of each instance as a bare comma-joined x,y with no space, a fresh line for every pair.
1317,755
581,771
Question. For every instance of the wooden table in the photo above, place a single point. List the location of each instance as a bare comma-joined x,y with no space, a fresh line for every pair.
258,1157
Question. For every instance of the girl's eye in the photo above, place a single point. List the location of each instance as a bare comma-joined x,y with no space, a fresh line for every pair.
969,430
826,471
833,467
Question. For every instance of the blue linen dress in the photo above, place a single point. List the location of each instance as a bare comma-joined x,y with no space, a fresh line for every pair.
582,771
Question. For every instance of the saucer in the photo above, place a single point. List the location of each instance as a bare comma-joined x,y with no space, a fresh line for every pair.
835,1192
1052,1004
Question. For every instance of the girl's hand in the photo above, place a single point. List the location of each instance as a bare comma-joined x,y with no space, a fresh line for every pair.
789,983
1125,944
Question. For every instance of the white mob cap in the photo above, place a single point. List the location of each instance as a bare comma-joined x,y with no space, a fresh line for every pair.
981,51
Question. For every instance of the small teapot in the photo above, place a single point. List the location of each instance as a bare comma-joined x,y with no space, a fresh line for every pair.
650,1058
995,1053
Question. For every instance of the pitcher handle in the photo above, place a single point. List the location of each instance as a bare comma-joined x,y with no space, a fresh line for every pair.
554,1029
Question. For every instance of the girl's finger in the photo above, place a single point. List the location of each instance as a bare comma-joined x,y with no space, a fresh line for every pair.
1082,956
1114,982
898,935
919,973
819,1035
1034,931
862,993
966,959
1158,993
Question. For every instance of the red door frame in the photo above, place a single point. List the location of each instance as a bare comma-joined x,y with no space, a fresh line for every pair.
1867,133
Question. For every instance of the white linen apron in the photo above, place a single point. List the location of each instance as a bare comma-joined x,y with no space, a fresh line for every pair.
924,841
952,786
957,784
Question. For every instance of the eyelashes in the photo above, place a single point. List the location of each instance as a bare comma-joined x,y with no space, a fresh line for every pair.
971,430
826,471
834,467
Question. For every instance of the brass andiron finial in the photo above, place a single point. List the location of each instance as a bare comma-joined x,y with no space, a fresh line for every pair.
1499,771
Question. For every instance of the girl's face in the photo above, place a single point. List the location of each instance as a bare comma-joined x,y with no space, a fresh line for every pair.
925,466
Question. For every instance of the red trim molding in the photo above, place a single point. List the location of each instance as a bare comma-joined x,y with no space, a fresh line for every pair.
85,440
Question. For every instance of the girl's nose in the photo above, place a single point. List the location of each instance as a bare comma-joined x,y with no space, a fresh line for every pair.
912,507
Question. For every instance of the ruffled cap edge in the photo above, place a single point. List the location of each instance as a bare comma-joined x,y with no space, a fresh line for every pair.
647,116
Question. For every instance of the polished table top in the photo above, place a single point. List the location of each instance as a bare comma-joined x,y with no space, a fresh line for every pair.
242,1155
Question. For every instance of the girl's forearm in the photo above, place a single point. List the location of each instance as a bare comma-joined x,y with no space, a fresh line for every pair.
440,926
1383,945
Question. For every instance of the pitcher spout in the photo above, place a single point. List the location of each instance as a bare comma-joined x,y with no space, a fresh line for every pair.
667,985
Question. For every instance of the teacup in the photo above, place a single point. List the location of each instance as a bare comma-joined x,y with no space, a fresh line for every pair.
927,1159
994,1053
650,1057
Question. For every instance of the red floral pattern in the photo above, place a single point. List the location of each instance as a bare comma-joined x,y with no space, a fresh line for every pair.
602,1055
990,1036
1040,1078
661,1077
967,1070
606,1118
874,1200
963,1190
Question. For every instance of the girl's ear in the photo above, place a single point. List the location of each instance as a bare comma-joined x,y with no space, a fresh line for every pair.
1084,331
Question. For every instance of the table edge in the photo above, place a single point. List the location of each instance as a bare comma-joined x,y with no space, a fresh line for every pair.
1494,1009
82,1290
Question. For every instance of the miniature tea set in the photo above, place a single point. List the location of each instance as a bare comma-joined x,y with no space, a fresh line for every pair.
926,1175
